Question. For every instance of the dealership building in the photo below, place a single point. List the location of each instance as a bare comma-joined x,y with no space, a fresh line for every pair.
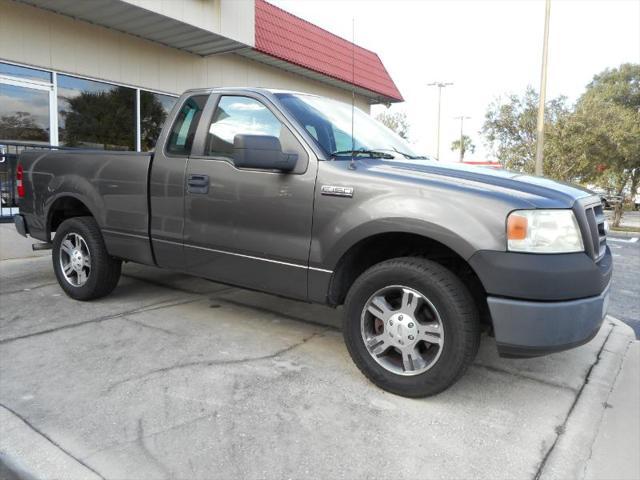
130,59
105,73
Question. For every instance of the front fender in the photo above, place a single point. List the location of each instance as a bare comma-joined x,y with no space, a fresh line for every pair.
462,227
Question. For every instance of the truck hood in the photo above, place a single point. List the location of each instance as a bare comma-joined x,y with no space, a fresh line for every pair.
540,192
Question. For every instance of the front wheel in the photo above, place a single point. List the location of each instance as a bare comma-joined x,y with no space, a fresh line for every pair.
411,326
82,265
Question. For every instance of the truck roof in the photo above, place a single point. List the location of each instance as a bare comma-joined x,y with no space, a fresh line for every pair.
262,90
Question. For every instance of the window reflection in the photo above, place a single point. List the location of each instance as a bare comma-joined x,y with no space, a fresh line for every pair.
334,121
24,72
24,114
95,114
239,115
185,125
154,110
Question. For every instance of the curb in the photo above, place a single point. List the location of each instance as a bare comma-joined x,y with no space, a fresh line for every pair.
568,456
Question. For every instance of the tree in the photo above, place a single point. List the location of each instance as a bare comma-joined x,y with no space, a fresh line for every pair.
510,131
22,126
597,140
396,121
107,119
610,107
104,118
467,146
152,118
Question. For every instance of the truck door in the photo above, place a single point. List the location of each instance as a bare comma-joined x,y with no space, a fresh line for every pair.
248,227
167,181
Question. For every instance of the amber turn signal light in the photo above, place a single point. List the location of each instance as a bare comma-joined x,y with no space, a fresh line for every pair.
516,227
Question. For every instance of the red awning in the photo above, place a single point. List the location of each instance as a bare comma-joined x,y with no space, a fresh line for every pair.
286,37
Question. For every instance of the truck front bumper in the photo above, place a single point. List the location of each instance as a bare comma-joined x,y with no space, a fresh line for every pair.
531,328
542,304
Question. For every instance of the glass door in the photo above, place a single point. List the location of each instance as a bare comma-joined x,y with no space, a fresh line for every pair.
26,120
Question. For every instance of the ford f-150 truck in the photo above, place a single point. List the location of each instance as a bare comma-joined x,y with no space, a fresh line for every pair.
281,192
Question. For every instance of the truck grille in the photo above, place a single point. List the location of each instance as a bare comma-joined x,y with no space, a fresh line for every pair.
597,232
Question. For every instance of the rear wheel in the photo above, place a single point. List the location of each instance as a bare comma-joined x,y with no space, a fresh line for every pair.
82,265
411,326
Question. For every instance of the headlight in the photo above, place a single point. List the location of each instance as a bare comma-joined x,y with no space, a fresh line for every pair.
543,231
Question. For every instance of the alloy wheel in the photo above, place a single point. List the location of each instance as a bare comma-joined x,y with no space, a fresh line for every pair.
75,259
402,330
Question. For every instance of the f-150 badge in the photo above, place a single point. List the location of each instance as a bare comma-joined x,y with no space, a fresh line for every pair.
337,191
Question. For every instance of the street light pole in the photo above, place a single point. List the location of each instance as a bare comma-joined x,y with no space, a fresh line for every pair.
543,92
462,118
440,86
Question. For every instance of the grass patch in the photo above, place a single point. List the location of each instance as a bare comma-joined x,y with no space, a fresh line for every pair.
625,229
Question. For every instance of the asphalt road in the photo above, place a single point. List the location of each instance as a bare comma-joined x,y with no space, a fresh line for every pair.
625,288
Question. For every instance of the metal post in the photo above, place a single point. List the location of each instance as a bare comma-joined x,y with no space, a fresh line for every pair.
54,139
138,120
543,93
438,134
440,85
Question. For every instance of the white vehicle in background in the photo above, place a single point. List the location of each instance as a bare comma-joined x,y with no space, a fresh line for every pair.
609,200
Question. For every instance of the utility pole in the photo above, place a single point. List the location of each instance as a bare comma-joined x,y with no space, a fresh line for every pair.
543,92
462,118
440,86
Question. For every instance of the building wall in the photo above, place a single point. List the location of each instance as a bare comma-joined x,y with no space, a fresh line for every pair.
36,37
230,18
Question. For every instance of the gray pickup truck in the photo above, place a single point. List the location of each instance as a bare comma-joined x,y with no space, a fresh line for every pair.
269,190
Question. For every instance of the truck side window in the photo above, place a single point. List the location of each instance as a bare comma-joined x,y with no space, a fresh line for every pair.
185,125
236,115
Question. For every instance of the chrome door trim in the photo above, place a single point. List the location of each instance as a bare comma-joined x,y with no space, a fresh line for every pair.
133,235
251,257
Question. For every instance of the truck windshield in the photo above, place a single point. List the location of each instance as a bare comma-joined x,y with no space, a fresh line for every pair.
329,123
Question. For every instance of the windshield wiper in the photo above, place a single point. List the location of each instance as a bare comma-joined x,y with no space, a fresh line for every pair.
409,156
370,153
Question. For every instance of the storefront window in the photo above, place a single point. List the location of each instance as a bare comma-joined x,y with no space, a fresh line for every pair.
95,114
90,114
154,110
24,114
24,72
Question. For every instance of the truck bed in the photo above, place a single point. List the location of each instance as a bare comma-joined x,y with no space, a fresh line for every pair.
112,185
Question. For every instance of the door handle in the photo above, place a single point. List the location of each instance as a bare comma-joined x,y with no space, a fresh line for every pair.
198,183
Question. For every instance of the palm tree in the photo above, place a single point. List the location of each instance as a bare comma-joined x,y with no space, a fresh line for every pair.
467,146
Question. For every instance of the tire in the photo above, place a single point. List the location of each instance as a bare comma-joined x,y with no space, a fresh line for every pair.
443,308
90,271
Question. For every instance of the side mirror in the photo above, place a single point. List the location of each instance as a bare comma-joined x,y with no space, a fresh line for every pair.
263,152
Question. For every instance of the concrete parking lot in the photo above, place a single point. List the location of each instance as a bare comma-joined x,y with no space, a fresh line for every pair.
176,377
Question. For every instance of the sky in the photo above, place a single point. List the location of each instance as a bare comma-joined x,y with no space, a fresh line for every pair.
486,48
